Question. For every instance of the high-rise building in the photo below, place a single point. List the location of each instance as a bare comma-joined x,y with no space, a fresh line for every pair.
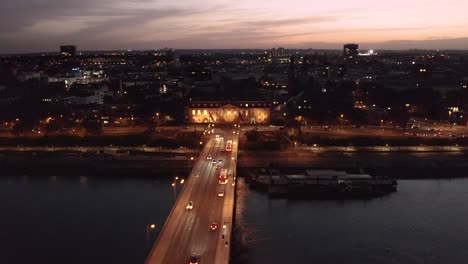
68,50
350,51
281,52
273,53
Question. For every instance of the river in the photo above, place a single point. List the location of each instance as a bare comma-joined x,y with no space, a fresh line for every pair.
90,220
424,222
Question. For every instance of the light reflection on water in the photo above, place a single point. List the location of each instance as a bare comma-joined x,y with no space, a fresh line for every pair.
88,220
424,222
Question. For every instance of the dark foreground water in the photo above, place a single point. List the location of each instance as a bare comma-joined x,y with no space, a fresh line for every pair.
426,221
78,220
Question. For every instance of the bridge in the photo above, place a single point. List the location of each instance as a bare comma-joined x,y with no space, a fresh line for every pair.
205,230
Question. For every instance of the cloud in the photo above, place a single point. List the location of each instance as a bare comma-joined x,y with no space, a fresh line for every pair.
43,25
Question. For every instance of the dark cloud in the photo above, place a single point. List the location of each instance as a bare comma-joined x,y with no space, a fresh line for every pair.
18,14
120,24
105,17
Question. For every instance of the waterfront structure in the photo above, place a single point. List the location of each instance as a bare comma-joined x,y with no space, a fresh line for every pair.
227,112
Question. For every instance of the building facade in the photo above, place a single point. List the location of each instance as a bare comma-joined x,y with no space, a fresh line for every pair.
223,112
68,50
350,51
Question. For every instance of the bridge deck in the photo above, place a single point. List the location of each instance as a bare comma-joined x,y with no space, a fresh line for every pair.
187,232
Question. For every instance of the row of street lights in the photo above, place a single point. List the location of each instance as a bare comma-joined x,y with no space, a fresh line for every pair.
174,185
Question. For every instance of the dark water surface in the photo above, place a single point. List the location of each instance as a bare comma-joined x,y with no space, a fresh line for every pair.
426,221
88,220
78,220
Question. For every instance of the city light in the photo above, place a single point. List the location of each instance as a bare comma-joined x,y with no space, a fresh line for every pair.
309,112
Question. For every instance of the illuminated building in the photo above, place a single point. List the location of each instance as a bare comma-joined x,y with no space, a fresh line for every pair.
68,50
464,84
281,52
350,51
226,112
273,53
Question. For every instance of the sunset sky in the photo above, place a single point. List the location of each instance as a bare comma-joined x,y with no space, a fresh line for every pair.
43,25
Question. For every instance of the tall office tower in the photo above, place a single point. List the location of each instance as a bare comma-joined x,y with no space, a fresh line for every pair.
68,50
350,51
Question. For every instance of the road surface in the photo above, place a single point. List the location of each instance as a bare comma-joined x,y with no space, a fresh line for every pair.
187,232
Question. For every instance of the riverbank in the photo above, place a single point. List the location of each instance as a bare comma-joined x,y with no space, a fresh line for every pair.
109,163
91,164
398,165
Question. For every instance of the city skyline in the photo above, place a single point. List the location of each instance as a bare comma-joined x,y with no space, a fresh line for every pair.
129,24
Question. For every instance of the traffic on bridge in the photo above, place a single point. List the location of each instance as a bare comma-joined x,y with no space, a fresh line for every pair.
198,229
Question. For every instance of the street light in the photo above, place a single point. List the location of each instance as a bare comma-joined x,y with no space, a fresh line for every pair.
341,120
149,228
450,119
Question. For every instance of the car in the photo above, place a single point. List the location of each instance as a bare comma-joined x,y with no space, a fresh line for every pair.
221,193
189,206
208,157
196,175
213,161
214,226
194,259
220,161
218,167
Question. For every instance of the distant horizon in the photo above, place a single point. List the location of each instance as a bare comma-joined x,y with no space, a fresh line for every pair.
431,45
224,24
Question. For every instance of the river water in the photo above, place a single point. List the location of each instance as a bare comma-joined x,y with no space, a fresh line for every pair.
89,220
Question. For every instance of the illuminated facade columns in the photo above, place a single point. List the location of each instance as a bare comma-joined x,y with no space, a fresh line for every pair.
227,113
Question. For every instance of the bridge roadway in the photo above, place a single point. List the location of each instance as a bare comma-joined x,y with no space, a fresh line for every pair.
187,232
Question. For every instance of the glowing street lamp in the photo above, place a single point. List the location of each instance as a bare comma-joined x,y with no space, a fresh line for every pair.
149,228
157,117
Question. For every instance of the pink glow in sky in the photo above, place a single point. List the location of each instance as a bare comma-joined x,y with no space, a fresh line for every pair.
121,24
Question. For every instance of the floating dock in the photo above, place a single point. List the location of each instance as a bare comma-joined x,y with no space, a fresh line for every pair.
321,184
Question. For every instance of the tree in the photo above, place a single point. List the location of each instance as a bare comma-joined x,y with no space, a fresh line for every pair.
92,126
293,128
252,135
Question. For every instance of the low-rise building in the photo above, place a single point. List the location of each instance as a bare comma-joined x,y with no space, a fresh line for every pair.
227,112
